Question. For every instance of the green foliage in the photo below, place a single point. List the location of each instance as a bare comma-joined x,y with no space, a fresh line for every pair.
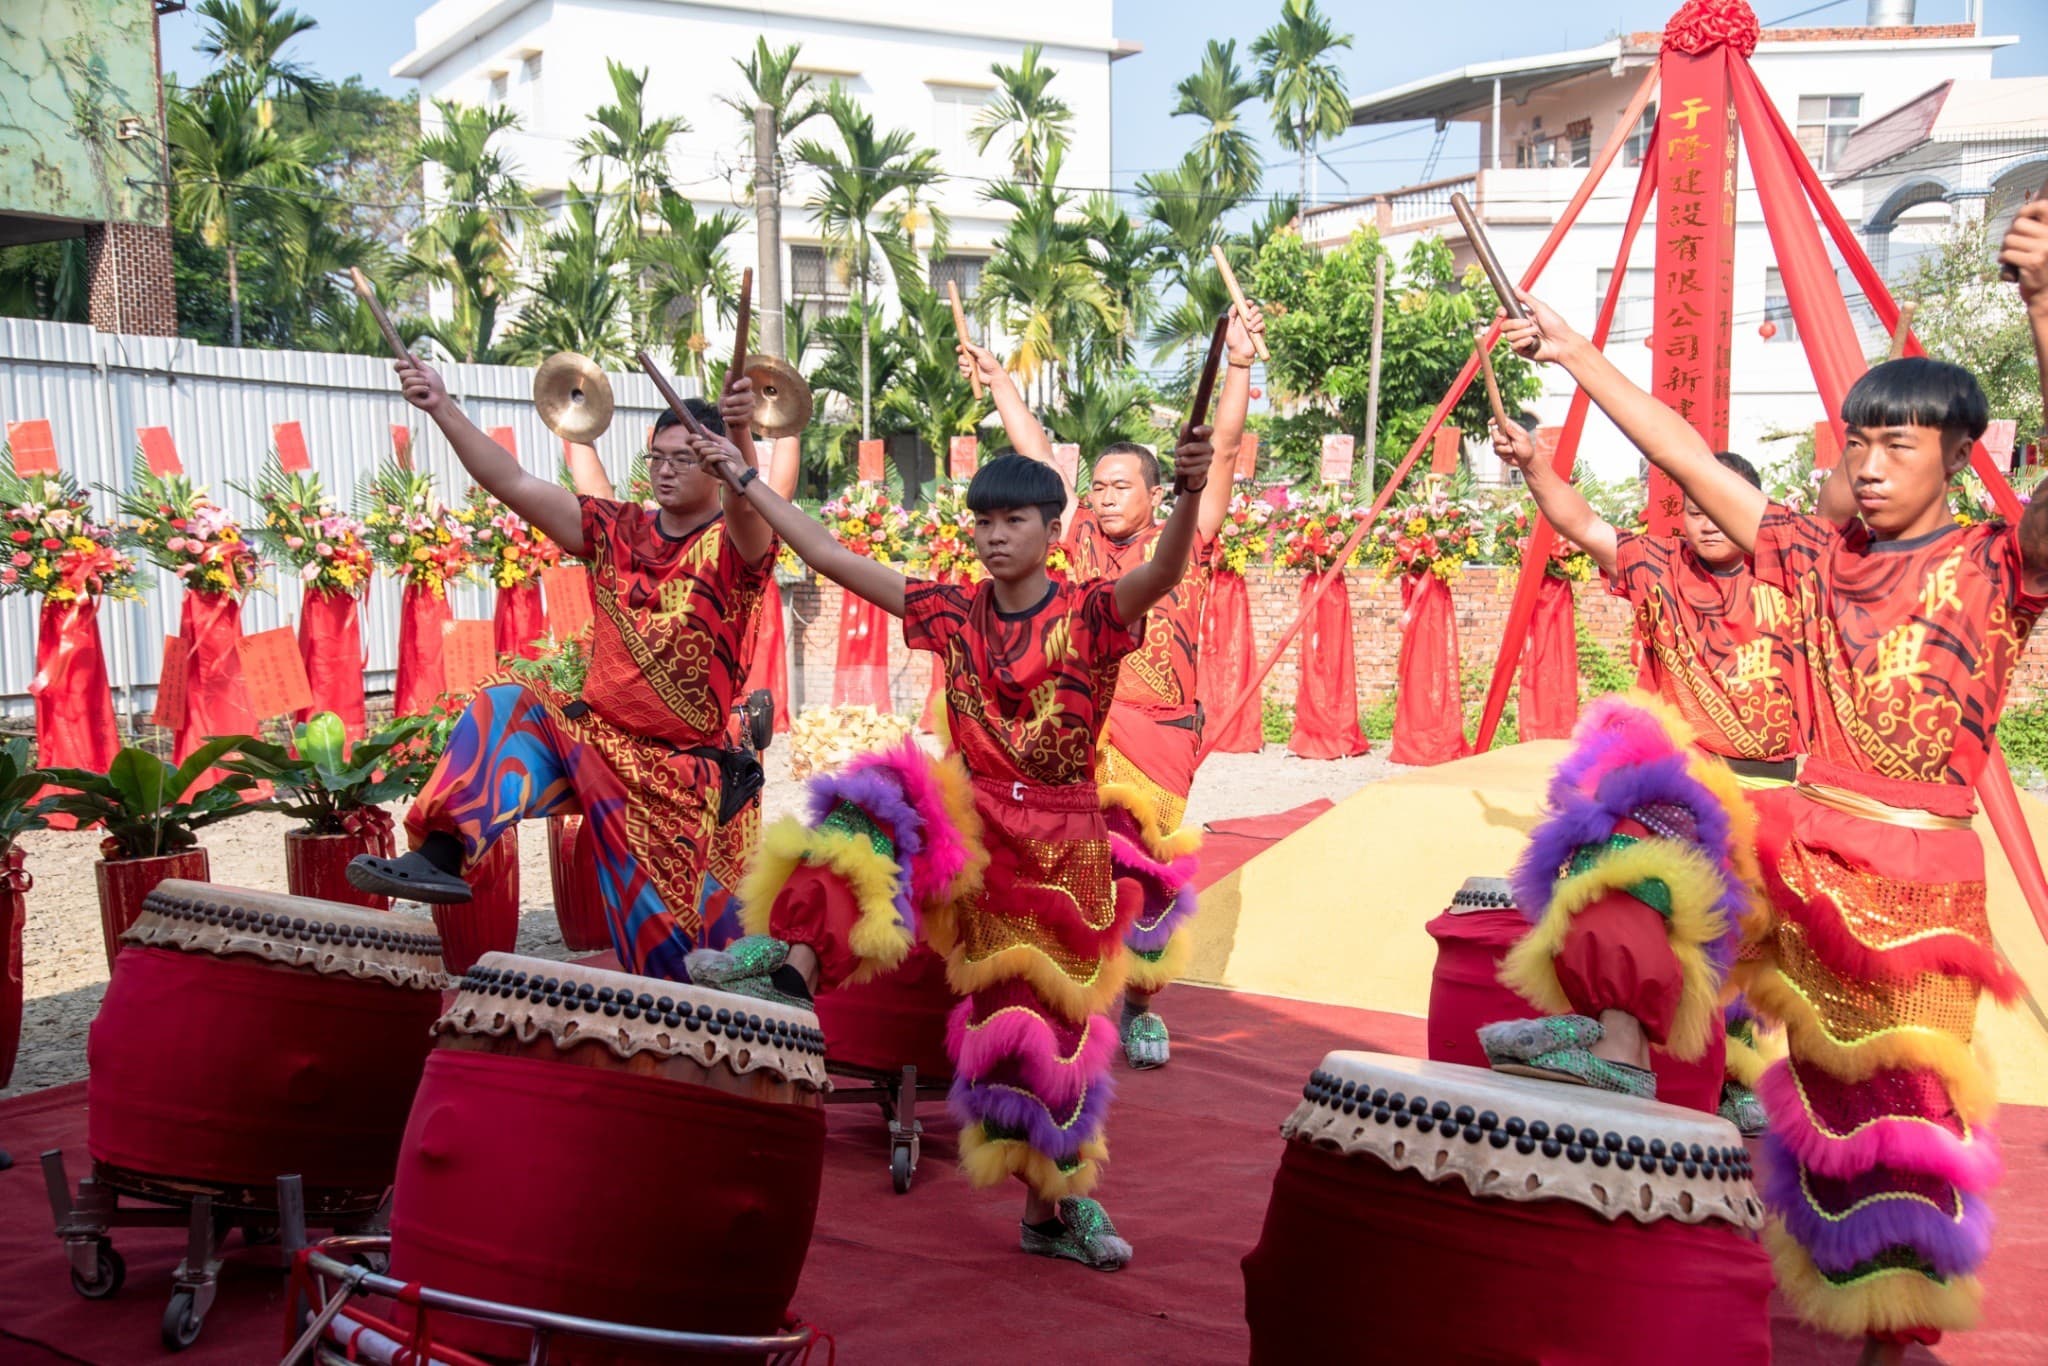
466,245
1600,671
1215,94
1039,124
2023,736
1276,721
320,778
1970,317
562,665
1377,720
1304,88
22,809
147,807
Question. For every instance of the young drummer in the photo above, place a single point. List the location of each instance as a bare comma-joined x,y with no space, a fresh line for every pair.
1030,665
641,751
1147,756
1879,944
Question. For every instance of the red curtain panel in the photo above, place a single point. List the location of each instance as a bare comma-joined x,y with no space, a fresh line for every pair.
860,673
1326,699
768,659
422,679
1224,669
74,705
1548,703
216,702
1429,716
517,622
331,644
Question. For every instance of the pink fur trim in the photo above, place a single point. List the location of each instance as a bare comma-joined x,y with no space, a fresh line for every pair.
1971,1164
1629,735
1020,1037
945,854
1129,855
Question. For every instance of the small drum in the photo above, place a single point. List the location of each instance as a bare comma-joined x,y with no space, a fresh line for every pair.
247,1035
1442,1212
615,1147
1465,990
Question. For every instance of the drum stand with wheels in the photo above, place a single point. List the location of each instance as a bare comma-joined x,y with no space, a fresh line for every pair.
84,1220
897,1093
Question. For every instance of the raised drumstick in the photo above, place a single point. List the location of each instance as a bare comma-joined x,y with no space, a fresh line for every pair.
1237,299
1899,333
1503,287
1205,387
1500,413
669,395
960,326
384,323
746,321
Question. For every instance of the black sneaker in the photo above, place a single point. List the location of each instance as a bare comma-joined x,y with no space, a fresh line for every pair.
411,877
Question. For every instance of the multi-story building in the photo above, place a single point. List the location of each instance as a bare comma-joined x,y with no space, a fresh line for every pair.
1541,119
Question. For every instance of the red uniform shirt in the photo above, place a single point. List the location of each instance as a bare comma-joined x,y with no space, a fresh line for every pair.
1907,645
673,618
1717,646
1026,692
1159,676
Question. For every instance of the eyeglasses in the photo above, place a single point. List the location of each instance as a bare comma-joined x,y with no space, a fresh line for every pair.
657,463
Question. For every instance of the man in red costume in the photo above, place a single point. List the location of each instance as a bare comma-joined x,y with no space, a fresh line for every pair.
1149,753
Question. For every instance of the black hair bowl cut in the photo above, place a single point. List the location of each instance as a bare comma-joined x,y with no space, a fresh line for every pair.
1017,481
1918,392
1730,460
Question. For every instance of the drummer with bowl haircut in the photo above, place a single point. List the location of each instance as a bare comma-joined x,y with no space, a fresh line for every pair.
1147,758
641,753
1036,943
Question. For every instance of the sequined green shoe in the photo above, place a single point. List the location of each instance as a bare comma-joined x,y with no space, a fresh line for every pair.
1086,1236
1521,1040
1146,1044
1740,1107
1581,1066
745,967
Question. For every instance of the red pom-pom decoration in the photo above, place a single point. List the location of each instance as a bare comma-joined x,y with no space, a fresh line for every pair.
1258,393
1703,25
1768,330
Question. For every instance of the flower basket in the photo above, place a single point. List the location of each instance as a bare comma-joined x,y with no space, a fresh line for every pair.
125,883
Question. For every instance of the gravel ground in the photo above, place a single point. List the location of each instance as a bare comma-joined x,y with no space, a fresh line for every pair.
66,966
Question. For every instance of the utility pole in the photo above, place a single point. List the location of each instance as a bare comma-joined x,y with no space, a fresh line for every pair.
1372,384
768,230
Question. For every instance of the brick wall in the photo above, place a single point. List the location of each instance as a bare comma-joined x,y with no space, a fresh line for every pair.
131,286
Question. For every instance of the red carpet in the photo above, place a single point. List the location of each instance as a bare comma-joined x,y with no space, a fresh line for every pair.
1226,845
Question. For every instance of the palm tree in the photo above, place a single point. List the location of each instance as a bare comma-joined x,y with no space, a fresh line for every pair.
1042,281
1037,122
1126,258
1097,411
579,303
869,189
1216,93
928,396
465,244
621,132
247,35
1303,87
680,264
773,80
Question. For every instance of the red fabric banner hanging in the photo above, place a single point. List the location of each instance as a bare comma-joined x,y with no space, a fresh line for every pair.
216,702
1548,703
860,668
423,619
1429,715
1326,698
74,705
331,644
517,621
768,661
1225,667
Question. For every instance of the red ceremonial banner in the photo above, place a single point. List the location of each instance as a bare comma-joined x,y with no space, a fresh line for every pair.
1066,458
274,674
963,455
35,450
1429,716
870,454
860,669
768,655
1695,283
216,695
569,605
422,677
401,445
1443,456
170,685
331,648
74,705
1338,448
1999,437
1326,698
517,621
290,441
1548,705
506,437
1247,458
159,452
469,654
1827,452
1224,668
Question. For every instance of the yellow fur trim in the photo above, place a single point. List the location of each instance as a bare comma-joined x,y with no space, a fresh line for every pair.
1888,1301
1969,1086
989,1161
956,791
1745,1064
1530,967
1075,1001
878,938
1162,845
1146,975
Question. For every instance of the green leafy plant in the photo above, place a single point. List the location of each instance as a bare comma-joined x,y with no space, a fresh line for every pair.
325,782
561,664
1276,721
21,808
2023,736
1599,669
147,807
1377,720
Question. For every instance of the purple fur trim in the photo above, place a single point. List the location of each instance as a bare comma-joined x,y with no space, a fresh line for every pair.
1149,933
877,792
1028,1044
1971,1164
1012,1107
946,853
1953,1247
1170,894
1738,1012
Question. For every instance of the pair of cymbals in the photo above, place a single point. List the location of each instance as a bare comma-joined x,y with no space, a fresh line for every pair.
574,397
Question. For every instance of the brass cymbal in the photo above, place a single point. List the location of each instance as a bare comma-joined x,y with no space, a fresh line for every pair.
782,400
573,397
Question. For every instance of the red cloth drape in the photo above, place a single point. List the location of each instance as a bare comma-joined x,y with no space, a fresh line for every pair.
1429,716
768,662
517,621
1224,668
421,676
860,671
1400,1269
1326,698
1549,702
14,882
216,701
74,705
331,644
894,1020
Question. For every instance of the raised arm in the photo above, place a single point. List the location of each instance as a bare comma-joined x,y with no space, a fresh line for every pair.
1231,410
785,465
814,545
743,523
1152,580
543,503
2026,250
1562,505
1667,439
586,472
1027,434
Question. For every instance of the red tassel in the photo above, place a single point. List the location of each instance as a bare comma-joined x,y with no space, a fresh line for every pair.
1429,716
517,622
1224,668
1326,699
860,674
331,644
1549,703
421,677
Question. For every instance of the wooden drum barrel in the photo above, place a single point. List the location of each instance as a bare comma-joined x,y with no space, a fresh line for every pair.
615,1147
1465,991
246,1035
1427,1211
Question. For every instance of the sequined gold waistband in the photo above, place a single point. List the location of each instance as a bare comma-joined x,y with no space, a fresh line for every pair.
1870,808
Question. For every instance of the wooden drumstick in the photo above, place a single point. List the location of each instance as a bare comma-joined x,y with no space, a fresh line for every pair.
1238,301
1503,287
384,323
746,321
1500,412
960,326
1905,325
669,395
1205,387
2007,271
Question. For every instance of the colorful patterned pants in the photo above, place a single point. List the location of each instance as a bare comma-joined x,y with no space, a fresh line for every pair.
516,754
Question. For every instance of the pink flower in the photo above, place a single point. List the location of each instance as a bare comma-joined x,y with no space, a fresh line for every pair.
309,573
324,550
21,558
396,538
295,542
9,574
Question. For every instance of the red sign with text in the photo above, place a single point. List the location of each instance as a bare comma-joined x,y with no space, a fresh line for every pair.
159,452
963,454
566,590
506,437
469,654
275,673
870,454
33,445
1247,456
1443,454
170,685
290,441
401,445
1338,450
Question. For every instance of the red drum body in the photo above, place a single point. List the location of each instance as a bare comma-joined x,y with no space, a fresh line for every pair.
614,1147
579,899
317,866
894,1020
489,921
246,1035
1465,990
1433,1211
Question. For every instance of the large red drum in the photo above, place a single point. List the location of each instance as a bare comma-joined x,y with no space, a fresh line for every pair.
579,898
615,1147
1426,1211
1465,991
246,1035
894,1020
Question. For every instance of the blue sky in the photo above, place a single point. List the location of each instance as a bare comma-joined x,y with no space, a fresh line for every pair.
1394,43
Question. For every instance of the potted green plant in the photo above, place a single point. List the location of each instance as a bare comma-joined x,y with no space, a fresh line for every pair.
563,665
22,809
152,819
336,791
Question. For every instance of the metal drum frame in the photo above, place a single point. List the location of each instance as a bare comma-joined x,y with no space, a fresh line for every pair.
897,1093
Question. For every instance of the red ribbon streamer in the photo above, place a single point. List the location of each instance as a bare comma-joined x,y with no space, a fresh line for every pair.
74,704
216,701
331,644
1429,719
517,621
1548,703
1226,662
1326,695
860,673
422,677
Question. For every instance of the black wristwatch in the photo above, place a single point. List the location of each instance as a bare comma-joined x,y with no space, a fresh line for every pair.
747,476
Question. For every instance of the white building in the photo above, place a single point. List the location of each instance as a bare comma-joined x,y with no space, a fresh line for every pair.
1540,121
921,65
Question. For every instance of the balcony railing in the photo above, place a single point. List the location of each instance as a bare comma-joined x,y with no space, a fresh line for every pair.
1412,206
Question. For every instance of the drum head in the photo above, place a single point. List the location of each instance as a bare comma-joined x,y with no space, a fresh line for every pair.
299,932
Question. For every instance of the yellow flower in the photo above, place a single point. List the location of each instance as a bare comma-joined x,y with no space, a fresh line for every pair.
42,569
217,576
422,554
81,543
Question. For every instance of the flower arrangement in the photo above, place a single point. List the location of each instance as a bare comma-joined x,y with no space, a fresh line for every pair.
1969,502
1246,534
1311,529
942,535
178,527
411,533
867,521
505,545
302,528
54,548
1427,532
1512,526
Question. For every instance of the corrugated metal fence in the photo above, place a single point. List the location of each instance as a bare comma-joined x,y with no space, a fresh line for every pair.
96,389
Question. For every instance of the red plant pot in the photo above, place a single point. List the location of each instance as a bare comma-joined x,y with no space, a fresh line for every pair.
490,919
14,881
579,900
316,865
124,883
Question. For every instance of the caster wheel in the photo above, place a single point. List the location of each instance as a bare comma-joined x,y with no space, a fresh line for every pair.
108,1273
181,1324
900,1170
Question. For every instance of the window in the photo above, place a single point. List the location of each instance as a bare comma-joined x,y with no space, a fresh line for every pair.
819,286
1635,314
1778,308
530,73
1580,136
955,111
1825,122
1640,137
964,272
